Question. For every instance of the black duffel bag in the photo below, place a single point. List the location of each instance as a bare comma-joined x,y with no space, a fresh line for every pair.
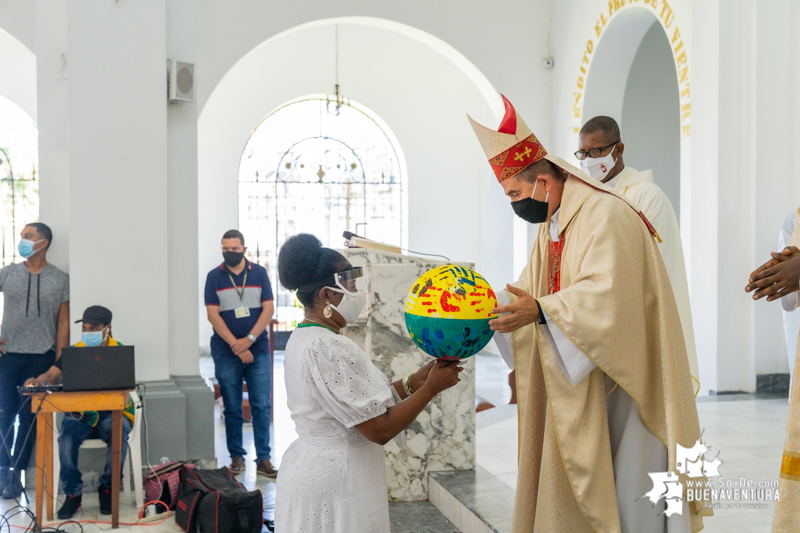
212,501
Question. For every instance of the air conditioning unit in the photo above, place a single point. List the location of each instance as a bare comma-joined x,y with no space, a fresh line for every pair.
180,82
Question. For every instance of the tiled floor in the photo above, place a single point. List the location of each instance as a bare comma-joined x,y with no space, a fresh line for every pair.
746,431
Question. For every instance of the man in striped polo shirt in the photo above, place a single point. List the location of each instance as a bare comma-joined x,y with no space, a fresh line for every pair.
239,303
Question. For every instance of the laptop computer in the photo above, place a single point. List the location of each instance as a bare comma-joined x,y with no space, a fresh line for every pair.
92,368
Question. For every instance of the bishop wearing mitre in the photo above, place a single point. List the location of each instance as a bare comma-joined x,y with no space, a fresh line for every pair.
593,331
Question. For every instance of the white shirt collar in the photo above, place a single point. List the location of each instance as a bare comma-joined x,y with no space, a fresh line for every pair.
554,226
613,181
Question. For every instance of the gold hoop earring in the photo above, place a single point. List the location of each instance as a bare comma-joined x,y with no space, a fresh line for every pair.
327,312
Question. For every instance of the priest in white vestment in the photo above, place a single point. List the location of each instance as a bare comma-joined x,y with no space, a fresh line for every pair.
791,320
779,278
593,331
600,154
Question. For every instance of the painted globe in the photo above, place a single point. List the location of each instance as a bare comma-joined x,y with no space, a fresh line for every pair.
448,312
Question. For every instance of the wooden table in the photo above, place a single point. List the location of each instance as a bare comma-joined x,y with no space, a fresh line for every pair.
45,406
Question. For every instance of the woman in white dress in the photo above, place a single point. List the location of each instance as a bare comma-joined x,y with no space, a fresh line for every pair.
333,477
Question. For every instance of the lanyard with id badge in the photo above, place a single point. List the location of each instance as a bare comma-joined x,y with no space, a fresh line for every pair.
241,311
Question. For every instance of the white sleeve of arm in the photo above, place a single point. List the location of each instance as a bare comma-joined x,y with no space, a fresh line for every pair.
788,302
400,438
573,362
504,341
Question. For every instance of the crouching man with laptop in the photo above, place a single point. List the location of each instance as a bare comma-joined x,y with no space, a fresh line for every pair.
78,427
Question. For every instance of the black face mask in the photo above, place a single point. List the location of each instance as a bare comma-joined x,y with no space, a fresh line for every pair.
530,210
233,258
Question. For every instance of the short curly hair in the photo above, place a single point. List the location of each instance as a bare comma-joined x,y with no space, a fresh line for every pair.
304,263
605,125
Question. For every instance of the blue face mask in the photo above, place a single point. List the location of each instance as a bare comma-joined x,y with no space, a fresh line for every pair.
26,247
93,338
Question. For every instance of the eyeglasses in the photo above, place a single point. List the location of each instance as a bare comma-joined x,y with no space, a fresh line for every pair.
593,152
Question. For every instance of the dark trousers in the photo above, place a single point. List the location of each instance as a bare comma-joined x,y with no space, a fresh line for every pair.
15,369
229,371
73,433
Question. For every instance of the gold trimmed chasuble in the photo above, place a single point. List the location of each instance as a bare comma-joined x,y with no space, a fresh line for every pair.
616,305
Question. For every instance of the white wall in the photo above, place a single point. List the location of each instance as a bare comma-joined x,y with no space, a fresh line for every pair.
650,120
105,129
17,17
118,172
774,148
182,199
52,93
456,207
701,212
736,179
18,82
505,39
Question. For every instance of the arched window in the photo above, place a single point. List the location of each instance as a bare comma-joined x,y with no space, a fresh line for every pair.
19,180
321,167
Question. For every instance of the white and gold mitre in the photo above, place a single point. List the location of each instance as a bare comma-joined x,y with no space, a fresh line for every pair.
512,147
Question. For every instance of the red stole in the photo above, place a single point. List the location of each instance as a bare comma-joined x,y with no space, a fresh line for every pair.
554,250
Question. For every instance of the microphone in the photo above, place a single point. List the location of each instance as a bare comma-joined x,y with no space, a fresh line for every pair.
349,235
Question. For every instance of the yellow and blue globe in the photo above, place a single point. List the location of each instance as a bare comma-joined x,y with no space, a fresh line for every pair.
448,311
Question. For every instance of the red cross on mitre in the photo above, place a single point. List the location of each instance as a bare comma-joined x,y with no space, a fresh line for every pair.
511,162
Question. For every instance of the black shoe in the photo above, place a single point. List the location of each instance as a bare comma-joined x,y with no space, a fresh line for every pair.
5,474
71,506
105,499
13,488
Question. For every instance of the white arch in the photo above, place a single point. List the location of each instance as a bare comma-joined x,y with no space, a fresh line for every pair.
434,43
18,80
418,85
613,57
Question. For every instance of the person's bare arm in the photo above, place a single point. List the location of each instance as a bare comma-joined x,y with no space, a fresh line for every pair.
62,328
418,379
212,311
383,428
53,375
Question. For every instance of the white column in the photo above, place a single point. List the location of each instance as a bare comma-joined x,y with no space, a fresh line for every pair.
744,179
703,208
118,210
773,177
52,72
736,200
182,200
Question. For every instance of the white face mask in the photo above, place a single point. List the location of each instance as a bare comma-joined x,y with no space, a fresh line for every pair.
599,167
350,306
352,285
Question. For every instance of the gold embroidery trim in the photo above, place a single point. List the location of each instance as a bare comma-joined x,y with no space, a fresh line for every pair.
790,466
